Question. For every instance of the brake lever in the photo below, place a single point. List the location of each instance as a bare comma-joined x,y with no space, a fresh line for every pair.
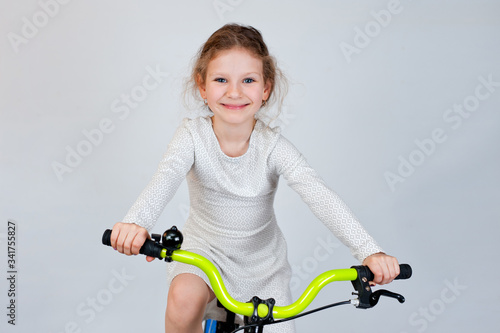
362,287
375,296
367,298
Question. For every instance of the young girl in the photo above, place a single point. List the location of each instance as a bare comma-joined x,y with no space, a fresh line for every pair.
232,162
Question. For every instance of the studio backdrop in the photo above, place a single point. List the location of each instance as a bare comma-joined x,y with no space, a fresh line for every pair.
395,103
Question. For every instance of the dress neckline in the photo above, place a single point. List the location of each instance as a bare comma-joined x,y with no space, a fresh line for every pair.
250,142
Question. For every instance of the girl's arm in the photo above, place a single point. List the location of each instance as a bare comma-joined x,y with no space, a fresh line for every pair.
331,210
128,236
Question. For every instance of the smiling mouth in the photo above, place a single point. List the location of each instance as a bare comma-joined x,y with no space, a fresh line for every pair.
234,106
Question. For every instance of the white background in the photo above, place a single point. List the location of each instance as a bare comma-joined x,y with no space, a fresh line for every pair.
355,116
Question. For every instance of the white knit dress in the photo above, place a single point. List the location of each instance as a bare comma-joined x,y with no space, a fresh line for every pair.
231,218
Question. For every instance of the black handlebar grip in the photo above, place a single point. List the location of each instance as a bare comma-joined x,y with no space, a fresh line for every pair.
106,237
404,272
150,248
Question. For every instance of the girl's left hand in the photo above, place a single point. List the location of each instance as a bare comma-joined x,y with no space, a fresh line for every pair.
384,267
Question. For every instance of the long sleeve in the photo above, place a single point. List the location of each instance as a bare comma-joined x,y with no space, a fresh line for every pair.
172,170
326,205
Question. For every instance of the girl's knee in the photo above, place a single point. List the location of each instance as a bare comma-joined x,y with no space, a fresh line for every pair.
188,294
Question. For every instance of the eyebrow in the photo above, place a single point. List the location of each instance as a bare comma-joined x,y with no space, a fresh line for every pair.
224,74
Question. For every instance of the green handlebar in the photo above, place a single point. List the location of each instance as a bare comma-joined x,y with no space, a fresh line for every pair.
312,290
170,250
215,279
246,309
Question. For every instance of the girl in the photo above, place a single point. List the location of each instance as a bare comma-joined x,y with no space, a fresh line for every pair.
232,161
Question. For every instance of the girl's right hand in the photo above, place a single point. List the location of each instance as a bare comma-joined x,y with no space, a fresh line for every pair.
128,238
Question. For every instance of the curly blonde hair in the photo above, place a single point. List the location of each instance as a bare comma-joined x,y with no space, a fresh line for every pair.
231,36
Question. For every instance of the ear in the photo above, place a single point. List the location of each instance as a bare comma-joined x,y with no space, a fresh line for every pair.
267,90
201,86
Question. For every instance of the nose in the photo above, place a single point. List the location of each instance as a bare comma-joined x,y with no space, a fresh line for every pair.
234,90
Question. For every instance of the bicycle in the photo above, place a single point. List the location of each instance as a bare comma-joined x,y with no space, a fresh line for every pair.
258,312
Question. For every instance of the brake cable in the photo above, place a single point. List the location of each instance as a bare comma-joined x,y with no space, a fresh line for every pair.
294,317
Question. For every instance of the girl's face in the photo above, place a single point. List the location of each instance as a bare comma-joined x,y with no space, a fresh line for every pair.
234,86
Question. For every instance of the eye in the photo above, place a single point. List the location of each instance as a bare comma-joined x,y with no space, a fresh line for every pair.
248,80
220,79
